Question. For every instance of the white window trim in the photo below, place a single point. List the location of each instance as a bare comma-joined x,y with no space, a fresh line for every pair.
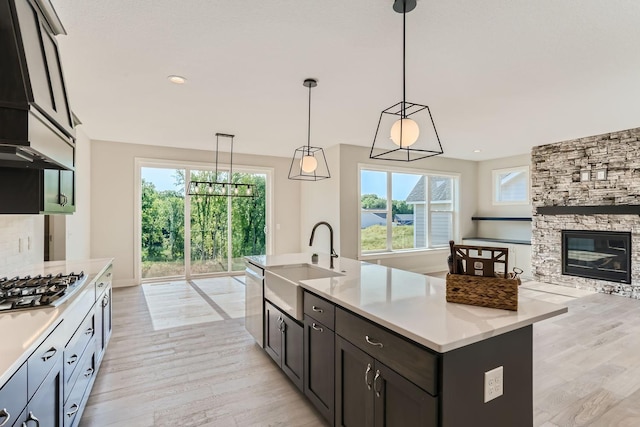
495,173
389,253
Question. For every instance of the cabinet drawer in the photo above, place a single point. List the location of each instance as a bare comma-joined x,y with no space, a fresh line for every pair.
76,398
76,347
13,396
320,309
103,282
408,359
44,358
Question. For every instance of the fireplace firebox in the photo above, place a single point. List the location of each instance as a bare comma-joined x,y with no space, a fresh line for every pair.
604,255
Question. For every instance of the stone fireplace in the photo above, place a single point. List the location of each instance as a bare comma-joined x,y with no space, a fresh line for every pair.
584,185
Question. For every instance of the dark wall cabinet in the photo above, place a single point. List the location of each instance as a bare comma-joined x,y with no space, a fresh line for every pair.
36,191
283,342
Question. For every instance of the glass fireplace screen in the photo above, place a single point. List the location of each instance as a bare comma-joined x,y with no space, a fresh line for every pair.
604,255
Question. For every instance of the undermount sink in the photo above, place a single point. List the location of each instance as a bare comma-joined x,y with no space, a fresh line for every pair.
282,285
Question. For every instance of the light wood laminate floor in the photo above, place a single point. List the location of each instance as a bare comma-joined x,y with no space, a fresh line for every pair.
211,373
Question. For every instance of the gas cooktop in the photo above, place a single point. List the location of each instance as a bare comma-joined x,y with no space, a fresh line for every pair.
39,291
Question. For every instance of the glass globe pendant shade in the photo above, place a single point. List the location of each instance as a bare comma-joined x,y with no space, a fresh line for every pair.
308,164
405,132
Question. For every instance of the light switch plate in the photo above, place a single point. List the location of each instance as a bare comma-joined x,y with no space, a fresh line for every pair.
493,384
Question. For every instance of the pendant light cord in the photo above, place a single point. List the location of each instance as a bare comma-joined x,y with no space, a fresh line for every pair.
404,36
309,126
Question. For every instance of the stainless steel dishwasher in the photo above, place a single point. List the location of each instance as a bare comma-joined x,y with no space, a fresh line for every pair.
254,302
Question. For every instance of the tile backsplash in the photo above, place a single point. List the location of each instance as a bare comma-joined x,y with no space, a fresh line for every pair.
21,241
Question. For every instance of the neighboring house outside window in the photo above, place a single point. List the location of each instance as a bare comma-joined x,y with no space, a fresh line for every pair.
511,186
403,211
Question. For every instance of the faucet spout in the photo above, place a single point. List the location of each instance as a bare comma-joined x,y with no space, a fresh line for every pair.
332,251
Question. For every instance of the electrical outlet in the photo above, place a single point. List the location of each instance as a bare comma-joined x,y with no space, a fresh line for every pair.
493,384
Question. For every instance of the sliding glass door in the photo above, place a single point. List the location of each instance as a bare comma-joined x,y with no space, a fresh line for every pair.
220,231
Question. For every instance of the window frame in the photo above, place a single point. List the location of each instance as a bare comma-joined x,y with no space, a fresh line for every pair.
495,186
389,251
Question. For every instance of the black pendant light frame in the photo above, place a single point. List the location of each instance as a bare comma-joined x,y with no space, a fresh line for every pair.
322,169
218,188
404,110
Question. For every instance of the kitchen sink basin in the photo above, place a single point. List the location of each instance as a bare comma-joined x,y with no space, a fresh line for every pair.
281,285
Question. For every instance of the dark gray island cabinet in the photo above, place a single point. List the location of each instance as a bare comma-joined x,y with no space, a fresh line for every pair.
382,347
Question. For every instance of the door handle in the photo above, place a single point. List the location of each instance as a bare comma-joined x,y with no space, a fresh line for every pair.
375,383
366,376
317,328
6,415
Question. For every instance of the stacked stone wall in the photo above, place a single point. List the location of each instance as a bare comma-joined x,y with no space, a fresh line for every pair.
557,172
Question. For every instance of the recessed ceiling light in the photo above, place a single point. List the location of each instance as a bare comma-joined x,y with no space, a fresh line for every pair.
477,151
177,79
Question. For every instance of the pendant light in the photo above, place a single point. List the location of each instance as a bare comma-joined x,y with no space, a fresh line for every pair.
410,126
309,163
222,188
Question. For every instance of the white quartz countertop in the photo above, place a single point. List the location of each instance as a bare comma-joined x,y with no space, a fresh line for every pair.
413,305
23,330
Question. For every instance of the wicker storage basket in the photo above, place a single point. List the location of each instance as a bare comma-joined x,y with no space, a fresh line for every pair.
494,292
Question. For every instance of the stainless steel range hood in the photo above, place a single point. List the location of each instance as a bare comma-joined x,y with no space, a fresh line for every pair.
36,125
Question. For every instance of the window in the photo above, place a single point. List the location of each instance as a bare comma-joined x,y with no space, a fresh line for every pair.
511,186
186,236
402,210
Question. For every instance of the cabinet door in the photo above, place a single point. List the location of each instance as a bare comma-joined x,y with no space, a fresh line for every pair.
319,363
273,320
58,191
45,407
399,402
106,318
292,350
67,196
354,386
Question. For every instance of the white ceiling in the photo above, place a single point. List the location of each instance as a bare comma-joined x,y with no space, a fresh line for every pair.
499,75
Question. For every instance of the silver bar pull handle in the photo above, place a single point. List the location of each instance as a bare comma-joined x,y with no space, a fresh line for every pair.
74,408
375,383
317,328
6,415
49,354
317,309
372,342
366,376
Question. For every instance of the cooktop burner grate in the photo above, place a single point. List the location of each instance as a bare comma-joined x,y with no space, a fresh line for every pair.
38,291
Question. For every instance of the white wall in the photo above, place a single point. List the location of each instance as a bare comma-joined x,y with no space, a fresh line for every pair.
78,225
500,229
112,202
320,201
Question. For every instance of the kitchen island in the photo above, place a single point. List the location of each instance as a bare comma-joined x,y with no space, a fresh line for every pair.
402,354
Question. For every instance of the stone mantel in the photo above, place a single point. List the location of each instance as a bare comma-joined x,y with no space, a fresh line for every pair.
589,210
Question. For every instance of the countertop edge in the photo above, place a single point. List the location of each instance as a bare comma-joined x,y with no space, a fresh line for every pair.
439,348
